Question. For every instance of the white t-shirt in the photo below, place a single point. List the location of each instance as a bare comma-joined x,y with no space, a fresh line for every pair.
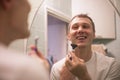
100,67
17,66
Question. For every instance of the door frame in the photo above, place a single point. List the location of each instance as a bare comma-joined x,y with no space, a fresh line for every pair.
57,14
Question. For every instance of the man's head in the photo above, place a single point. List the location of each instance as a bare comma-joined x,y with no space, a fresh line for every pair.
14,18
81,30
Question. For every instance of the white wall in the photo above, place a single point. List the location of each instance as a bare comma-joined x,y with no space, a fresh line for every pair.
63,6
35,4
114,46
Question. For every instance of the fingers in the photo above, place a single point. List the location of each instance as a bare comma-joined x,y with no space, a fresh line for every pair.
33,47
34,51
72,56
68,61
72,60
69,56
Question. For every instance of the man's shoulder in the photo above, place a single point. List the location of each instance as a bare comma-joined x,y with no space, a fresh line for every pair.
105,61
13,59
21,64
58,65
102,57
60,62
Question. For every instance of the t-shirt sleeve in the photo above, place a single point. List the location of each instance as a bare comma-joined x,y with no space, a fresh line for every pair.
114,71
54,73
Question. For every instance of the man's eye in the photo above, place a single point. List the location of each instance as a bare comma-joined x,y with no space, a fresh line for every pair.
75,27
85,26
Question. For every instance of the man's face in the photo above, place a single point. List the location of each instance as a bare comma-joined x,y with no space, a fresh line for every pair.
19,18
81,32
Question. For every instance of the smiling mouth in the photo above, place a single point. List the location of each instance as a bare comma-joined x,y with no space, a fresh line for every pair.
81,38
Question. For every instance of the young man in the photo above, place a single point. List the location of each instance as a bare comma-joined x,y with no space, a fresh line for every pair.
82,63
14,25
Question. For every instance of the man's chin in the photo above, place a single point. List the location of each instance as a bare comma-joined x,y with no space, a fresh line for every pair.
81,45
25,35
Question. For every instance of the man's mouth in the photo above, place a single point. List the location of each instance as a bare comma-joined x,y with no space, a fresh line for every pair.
81,37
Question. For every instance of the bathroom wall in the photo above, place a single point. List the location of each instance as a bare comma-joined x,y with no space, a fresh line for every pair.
113,45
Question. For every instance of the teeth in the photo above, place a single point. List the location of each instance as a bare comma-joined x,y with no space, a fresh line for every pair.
81,37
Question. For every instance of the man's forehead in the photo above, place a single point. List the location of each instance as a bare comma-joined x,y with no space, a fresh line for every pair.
80,20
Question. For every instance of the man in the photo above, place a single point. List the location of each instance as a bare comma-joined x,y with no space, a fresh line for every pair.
14,25
82,63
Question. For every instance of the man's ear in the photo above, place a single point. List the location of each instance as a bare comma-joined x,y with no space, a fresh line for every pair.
68,37
5,4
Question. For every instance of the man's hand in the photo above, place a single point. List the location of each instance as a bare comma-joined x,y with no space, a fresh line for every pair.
38,56
77,66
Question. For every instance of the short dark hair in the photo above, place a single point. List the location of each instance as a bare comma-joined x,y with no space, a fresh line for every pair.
82,16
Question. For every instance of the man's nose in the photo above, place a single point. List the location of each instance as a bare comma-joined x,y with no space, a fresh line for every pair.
80,28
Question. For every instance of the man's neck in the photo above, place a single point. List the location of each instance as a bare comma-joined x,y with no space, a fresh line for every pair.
5,40
84,53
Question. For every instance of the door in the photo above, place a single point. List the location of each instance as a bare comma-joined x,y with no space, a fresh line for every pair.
57,41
